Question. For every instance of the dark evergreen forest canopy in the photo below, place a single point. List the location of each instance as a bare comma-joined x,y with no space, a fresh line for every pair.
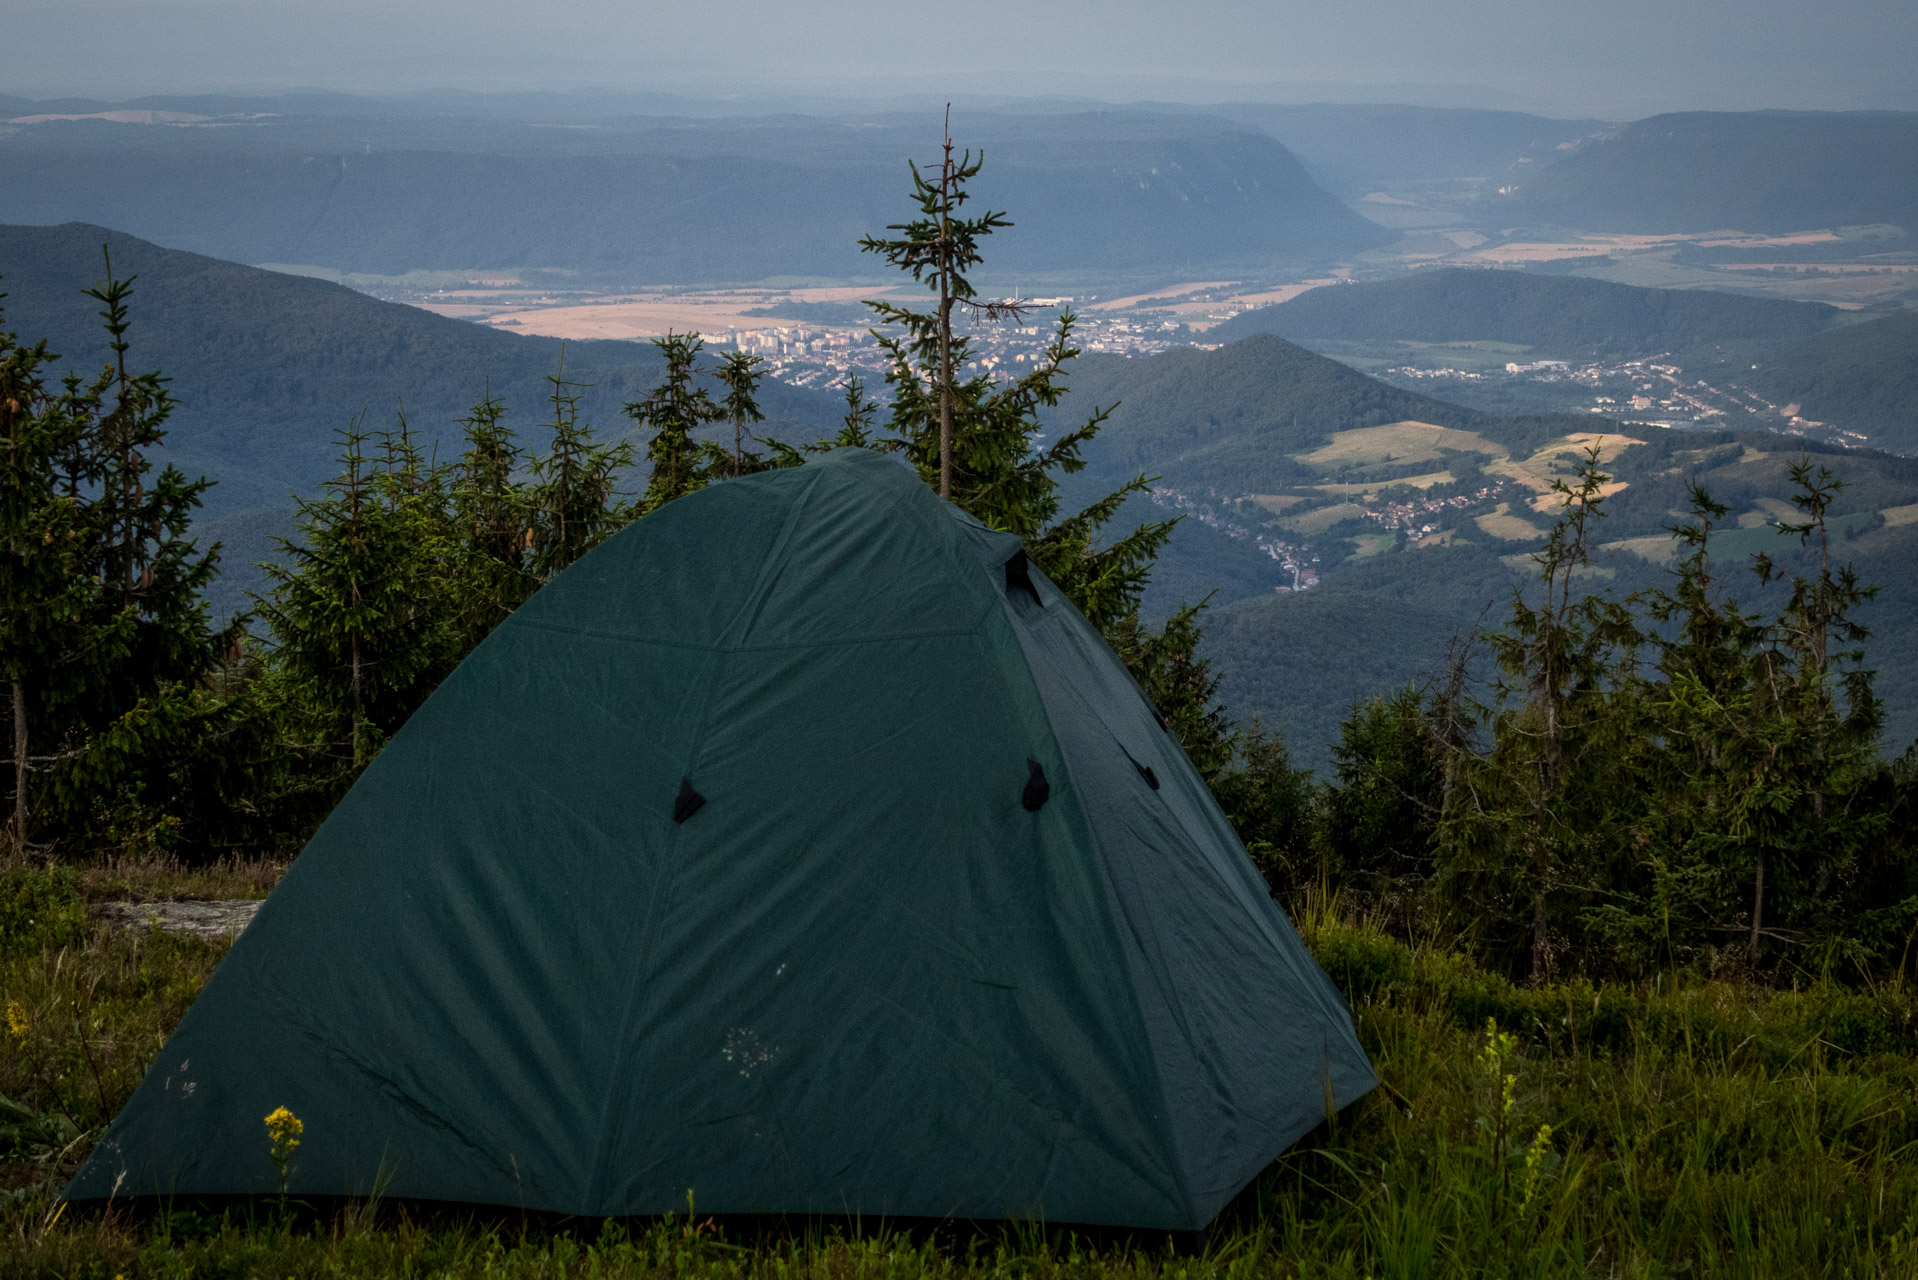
1759,171
1555,315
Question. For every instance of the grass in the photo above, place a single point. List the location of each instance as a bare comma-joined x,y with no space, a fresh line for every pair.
1697,1129
167,879
1323,518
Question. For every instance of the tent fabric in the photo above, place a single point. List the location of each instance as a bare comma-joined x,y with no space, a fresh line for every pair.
801,849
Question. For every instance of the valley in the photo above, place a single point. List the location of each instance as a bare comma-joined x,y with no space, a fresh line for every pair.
1450,340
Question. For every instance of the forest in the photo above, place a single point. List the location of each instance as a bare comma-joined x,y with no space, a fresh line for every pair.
1620,857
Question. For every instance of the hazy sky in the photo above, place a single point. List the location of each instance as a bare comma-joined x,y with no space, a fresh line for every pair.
1618,58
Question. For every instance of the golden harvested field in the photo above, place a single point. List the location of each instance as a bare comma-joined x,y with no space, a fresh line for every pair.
642,315
1410,482
1901,515
1396,442
1537,472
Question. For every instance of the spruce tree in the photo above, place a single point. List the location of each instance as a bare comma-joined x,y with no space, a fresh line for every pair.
673,413
493,513
357,613
738,372
114,634
45,597
976,437
938,248
574,496
1527,823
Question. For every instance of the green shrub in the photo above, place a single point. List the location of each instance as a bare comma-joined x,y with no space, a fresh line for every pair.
40,906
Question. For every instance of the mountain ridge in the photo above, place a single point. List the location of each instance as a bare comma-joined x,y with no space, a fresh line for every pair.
1559,315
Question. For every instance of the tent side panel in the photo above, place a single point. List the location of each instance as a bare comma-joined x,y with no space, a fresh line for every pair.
427,988
1248,1035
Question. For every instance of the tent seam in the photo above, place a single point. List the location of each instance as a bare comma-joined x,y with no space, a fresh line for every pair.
638,993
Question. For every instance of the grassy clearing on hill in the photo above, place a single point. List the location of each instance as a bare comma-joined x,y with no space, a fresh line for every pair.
1701,1130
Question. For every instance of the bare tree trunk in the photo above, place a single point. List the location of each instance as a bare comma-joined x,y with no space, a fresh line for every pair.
1758,910
19,768
354,695
945,315
945,397
1541,937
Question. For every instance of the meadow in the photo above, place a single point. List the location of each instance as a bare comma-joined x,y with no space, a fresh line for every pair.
1672,1127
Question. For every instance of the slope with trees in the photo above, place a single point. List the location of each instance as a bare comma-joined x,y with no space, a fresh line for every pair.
1863,375
1759,171
265,368
1554,315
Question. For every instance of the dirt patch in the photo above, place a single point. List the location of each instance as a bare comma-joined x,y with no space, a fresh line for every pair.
225,919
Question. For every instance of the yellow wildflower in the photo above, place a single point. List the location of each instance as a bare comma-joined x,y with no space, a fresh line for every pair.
283,1130
17,1024
1534,1164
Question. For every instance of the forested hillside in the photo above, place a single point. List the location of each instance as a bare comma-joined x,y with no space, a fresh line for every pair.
267,368
1759,171
1863,374
1553,315
1235,420
1417,516
661,200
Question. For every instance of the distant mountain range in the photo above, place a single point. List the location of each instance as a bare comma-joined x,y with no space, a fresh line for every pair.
1354,149
1758,171
664,200
1555,315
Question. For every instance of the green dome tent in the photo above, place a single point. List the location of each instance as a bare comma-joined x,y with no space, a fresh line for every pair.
799,848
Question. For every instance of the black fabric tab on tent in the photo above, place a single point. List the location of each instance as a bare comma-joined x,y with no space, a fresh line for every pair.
687,802
1038,790
1145,770
1019,574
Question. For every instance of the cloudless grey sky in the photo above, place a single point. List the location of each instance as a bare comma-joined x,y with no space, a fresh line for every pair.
1616,58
